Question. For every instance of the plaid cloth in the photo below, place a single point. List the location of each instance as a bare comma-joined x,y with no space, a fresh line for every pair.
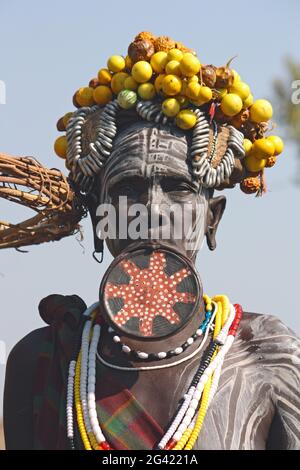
124,421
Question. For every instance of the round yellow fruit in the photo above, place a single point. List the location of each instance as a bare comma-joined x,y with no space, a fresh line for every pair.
146,91
241,89
60,146
104,77
171,85
248,101
263,148
278,144
189,65
128,62
247,145
67,117
231,104
175,54
186,119
84,96
102,94
261,111
117,81
159,61
192,90
141,71
130,84
170,107
236,76
194,78
205,94
158,82
116,63
253,164
173,67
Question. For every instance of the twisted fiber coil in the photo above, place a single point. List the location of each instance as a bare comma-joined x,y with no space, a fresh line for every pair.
25,181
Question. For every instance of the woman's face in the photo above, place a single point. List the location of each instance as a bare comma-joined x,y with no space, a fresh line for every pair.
150,194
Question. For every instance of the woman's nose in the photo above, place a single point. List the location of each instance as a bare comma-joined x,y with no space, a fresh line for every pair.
155,206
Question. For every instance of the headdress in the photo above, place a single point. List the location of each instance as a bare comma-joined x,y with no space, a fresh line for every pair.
161,82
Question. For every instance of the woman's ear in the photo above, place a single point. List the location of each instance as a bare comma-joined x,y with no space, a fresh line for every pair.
216,207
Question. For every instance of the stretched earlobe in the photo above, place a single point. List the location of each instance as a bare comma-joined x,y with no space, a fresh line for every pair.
215,211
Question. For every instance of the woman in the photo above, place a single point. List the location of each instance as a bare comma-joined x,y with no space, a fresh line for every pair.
154,379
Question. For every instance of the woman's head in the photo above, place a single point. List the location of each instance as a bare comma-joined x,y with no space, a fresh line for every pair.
147,192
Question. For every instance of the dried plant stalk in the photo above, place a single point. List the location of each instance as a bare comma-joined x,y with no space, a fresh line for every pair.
25,181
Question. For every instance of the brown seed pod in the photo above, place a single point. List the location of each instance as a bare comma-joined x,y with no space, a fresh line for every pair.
208,74
270,162
183,48
164,43
240,118
94,82
60,125
140,50
145,35
251,185
224,77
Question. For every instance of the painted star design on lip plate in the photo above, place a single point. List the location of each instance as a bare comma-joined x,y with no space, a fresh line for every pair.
149,294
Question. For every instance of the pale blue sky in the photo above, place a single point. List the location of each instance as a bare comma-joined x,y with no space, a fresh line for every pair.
49,49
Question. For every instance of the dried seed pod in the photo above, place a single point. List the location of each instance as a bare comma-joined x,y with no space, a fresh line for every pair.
251,185
224,77
238,120
208,74
164,43
140,50
94,82
145,35
60,125
270,162
183,48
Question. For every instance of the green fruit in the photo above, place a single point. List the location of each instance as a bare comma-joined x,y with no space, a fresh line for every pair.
127,99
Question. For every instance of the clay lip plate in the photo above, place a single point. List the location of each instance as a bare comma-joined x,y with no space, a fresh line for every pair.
149,293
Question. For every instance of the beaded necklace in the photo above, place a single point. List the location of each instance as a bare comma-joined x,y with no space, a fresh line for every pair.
188,421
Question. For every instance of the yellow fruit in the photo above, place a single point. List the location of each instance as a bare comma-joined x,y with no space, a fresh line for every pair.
248,101
60,146
261,111
192,90
241,89
175,54
84,96
171,85
146,91
236,76
128,62
104,77
186,119
141,71
170,107
194,78
130,84
173,67
158,82
67,117
205,94
247,145
117,81
263,148
159,61
189,65
102,94
278,144
116,63
253,164
231,104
